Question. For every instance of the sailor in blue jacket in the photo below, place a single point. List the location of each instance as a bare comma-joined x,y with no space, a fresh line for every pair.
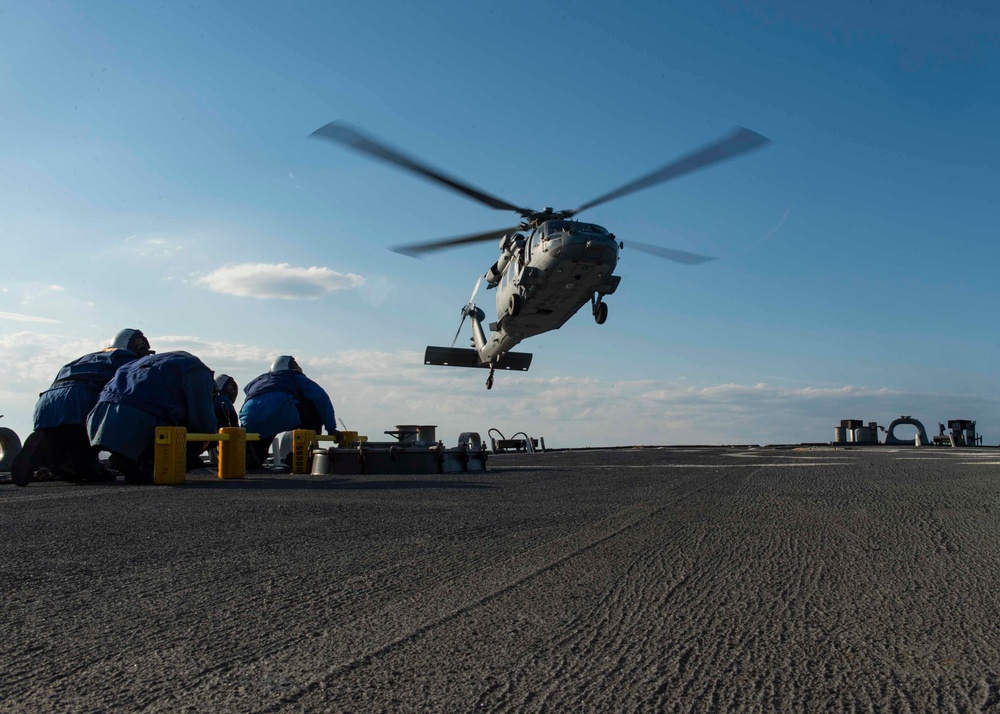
167,389
59,441
227,393
280,400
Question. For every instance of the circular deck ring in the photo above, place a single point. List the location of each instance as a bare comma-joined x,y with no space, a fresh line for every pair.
10,447
891,438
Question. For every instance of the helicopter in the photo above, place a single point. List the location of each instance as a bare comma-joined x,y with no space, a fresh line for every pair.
550,265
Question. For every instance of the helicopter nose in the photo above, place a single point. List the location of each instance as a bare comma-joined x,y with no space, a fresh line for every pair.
598,251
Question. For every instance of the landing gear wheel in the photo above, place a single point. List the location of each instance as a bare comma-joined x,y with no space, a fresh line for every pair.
514,307
601,313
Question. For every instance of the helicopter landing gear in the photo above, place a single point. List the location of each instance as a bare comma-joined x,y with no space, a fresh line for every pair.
600,309
514,306
489,380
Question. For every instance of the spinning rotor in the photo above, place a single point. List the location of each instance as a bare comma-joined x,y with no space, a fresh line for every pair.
739,141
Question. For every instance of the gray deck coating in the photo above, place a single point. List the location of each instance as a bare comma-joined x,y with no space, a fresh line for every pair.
623,580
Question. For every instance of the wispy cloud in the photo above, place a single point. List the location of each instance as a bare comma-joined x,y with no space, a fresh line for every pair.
155,246
373,391
29,360
34,293
17,317
390,388
281,280
777,227
213,353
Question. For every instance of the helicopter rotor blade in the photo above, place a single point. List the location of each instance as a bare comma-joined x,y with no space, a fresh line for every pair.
466,309
465,314
739,141
678,256
354,139
415,249
475,290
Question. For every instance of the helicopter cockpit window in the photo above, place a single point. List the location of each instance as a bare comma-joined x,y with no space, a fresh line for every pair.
551,227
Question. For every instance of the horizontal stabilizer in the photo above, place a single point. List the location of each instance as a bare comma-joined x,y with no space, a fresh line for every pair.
464,357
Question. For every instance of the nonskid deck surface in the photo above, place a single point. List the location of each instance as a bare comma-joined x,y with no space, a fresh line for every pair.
738,579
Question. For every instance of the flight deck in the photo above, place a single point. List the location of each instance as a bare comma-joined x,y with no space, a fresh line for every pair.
639,579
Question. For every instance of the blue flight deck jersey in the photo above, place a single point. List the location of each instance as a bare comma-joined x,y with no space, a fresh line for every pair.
272,399
166,389
77,386
225,412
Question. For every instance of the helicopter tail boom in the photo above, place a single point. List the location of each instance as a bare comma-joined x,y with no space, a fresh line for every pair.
464,357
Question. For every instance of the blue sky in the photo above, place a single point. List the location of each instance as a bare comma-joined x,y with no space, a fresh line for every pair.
155,172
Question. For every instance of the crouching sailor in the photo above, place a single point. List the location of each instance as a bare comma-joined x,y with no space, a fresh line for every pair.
168,389
59,441
226,393
282,399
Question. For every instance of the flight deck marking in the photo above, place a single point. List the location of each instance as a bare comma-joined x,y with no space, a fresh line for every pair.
779,456
714,466
945,457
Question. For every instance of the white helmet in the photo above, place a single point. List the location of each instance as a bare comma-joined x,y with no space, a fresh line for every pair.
133,341
227,385
285,363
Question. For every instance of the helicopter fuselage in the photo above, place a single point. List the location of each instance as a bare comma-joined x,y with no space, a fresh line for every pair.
543,279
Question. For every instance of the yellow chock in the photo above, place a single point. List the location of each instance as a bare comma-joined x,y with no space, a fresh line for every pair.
170,455
232,452
302,441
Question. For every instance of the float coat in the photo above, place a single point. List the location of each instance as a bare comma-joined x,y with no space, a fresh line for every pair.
225,412
280,401
166,389
77,386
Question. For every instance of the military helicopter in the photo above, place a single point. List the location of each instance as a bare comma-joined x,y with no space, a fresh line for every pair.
550,265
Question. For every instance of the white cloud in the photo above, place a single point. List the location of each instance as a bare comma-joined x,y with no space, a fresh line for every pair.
155,246
377,292
35,293
373,391
267,280
33,358
212,353
28,362
385,389
25,318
